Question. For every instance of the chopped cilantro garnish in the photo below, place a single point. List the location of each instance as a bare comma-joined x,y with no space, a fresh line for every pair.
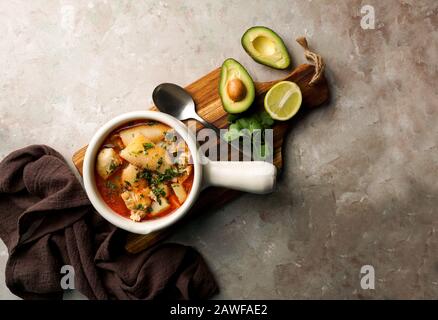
110,185
160,163
113,166
168,175
154,179
159,192
147,146
145,174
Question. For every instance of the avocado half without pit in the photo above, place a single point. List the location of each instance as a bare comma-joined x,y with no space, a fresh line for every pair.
236,87
266,47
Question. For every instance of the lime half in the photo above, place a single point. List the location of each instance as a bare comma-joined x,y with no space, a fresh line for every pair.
283,100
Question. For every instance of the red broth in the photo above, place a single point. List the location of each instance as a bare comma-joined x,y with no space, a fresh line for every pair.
110,182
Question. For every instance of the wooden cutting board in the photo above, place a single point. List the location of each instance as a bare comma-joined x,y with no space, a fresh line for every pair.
208,104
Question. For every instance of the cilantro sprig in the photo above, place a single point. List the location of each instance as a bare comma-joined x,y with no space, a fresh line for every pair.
253,126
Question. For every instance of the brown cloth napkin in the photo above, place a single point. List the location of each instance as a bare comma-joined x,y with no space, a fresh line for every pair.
47,221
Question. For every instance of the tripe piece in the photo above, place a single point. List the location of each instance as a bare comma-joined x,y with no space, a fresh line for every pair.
107,162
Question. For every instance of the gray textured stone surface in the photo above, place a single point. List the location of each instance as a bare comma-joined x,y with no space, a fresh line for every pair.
360,180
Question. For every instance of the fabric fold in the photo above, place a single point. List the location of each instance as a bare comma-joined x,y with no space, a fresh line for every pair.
47,221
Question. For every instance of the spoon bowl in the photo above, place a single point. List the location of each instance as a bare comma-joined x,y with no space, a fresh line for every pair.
177,102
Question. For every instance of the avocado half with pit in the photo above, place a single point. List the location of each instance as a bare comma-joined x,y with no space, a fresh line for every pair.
266,47
236,87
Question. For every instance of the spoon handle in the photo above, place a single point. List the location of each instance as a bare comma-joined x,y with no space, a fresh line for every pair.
208,125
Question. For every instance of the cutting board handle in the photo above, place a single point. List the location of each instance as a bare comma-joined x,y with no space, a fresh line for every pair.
249,176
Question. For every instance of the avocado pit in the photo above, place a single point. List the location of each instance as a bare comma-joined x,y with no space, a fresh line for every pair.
236,90
236,87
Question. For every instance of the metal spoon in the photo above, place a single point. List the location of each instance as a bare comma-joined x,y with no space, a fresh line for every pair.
176,101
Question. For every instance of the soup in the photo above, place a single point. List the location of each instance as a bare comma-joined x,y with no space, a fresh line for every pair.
143,170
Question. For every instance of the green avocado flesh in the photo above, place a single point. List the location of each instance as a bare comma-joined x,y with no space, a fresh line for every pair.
266,47
231,70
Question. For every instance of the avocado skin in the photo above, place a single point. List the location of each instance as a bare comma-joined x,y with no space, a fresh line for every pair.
229,105
277,40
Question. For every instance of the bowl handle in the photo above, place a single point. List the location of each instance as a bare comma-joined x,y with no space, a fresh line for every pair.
249,176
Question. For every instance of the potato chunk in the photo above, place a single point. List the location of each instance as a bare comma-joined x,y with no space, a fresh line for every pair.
158,207
107,162
154,133
129,175
180,192
145,154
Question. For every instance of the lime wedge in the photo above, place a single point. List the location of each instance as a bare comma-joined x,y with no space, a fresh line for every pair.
283,100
